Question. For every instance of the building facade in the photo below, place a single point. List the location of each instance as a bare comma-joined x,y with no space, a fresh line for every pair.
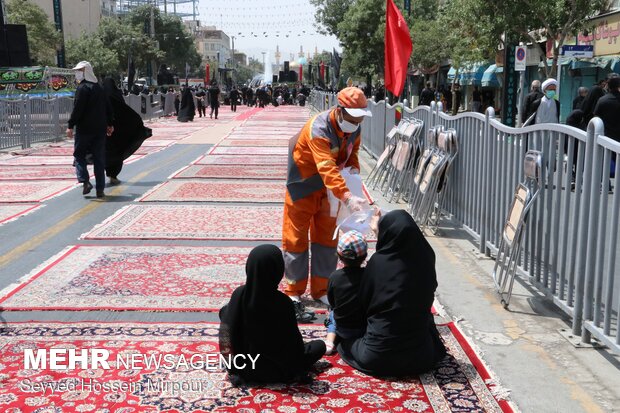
212,44
79,15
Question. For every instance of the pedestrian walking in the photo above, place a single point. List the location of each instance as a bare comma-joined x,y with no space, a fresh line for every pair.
582,92
608,108
200,102
92,117
214,99
328,143
547,108
128,135
476,100
534,95
427,95
187,111
234,97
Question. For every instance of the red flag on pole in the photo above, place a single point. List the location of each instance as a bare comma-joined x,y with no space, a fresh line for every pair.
207,74
397,49
322,71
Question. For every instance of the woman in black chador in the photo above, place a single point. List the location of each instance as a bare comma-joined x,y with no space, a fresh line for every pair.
129,132
187,110
260,320
397,293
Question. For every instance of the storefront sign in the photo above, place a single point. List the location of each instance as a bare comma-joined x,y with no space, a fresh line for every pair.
586,51
604,36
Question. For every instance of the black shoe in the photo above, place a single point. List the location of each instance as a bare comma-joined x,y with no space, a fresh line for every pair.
114,180
100,194
86,188
301,314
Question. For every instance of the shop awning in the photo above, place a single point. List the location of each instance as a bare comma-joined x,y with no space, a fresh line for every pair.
489,77
469,75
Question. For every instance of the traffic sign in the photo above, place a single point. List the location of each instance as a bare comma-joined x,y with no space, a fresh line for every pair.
520,56
581,50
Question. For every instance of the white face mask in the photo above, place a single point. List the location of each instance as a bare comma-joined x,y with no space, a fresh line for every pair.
79,76
346,126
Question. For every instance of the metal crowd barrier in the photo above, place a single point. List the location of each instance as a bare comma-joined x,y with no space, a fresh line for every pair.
26,120
570,247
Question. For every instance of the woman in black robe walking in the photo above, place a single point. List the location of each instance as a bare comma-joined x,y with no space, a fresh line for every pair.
129,132
259,319
187,110
397,293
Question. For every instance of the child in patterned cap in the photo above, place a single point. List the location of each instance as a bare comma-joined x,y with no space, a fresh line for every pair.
346,318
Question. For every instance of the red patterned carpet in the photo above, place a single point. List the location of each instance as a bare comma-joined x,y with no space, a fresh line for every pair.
233,171
36,172
223,150
32,191
141,278
261,223
254,142
11,212
242,160
245,136
458,385
217,191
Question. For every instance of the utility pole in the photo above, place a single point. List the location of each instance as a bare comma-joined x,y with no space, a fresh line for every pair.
152,33
60,54
232,75
2,15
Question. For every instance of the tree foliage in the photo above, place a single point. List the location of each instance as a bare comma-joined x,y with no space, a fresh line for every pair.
90,47
175,41
329,14
43,38
463,31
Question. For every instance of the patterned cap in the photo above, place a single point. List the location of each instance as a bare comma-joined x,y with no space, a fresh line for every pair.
352,245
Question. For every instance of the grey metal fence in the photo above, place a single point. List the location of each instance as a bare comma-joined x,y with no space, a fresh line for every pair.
570,250
25,120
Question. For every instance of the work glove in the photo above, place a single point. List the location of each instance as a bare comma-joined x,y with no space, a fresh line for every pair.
355,203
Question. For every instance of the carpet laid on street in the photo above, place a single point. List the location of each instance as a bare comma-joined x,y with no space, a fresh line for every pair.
242,160
218,190
256,150
232,171
222,222
254,142
134,278
33,191
169,381
36,172
10,212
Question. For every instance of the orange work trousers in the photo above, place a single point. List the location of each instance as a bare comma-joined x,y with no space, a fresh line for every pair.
309,214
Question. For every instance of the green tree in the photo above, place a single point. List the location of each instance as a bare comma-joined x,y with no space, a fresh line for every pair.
175,41
125,39
256,65
43,39
362,33
329,14
90,47
532,21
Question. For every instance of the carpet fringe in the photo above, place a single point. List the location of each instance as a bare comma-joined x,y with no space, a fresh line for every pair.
24,278
498,391
36,207
107,220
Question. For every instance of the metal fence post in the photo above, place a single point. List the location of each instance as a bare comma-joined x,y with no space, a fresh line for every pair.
587,223
56,119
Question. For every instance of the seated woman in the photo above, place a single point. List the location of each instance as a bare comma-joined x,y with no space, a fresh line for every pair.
397,293
259,319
